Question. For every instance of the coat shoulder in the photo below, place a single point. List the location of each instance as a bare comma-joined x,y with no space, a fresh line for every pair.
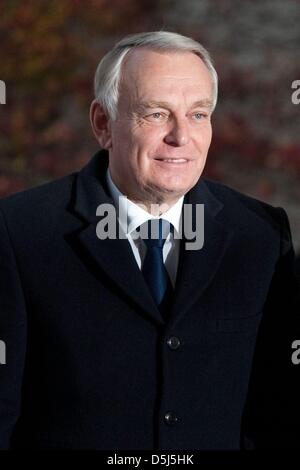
36,213
234,200
47,197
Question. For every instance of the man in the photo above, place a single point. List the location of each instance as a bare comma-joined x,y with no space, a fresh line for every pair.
123,342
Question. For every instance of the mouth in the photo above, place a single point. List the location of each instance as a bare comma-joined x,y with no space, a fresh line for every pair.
175,161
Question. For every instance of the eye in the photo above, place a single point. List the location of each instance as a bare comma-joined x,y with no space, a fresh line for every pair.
198,116
157,117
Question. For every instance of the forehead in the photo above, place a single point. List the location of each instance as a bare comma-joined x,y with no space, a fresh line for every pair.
146,71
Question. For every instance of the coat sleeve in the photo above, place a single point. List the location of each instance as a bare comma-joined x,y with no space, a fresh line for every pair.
272,411
12,336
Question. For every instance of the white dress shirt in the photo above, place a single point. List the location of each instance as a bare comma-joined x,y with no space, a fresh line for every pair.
136,216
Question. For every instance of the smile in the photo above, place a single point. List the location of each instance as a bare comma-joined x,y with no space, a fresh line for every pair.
172,160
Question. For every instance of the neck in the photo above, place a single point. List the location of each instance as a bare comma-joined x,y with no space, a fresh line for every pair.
155,209
151,201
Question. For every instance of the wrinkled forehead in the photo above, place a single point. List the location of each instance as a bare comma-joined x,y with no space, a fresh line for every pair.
145,68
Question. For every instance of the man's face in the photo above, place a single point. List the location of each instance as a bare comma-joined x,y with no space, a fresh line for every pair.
162,134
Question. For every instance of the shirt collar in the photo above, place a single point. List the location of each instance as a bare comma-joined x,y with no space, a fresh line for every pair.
136,215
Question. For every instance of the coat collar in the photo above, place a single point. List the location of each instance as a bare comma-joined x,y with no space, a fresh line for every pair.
113,258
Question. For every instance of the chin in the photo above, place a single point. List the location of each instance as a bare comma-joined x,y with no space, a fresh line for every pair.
178,186
172,191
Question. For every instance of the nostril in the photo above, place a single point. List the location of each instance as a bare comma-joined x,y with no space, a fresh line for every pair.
173,144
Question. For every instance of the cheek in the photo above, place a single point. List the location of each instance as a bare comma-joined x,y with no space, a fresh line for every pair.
209,135
122,133
204,138
148,138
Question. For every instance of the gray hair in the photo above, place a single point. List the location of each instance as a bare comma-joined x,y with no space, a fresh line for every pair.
108,73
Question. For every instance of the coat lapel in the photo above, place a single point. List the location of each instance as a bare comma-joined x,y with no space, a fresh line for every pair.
197,268
112,258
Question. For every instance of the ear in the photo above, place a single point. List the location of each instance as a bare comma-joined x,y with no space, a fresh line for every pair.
100,123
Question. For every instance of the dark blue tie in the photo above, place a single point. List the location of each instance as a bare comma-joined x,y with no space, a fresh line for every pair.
154,271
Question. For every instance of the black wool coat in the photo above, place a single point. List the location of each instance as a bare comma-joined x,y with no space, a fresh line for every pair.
90,362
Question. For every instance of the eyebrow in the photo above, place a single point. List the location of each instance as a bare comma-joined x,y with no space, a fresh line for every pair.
204,103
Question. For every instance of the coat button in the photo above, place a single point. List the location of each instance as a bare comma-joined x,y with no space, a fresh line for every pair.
173,342
171,418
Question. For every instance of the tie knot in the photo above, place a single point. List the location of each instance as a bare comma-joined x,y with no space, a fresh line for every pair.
155,231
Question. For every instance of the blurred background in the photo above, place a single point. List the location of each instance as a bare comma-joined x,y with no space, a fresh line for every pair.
49,53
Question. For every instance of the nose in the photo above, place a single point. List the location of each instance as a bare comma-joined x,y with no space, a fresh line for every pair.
178,135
